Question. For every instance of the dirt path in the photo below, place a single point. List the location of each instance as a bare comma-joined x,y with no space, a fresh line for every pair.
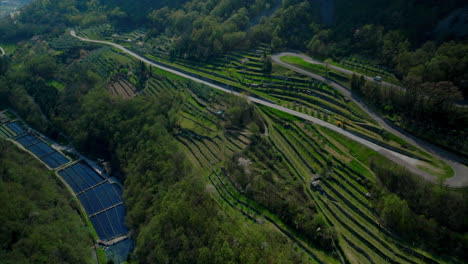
400,159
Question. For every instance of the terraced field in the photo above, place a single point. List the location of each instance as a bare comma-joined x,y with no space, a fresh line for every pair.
122,88
199,123
104,31
106,61
367,68
242,72
335,180
342,196
208,146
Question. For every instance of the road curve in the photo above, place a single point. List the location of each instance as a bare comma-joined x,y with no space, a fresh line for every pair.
397,157
460,178
2,52
346,71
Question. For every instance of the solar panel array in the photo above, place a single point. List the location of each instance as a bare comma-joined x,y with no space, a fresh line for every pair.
81,177
111,223
39,148
102,200
16,127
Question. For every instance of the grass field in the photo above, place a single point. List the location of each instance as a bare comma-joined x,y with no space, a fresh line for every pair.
318,69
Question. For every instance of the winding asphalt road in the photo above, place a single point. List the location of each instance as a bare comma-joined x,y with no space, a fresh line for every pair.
460,178
403,160
2,52
345,71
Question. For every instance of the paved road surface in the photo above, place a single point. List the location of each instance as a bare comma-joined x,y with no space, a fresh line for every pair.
346,71
306,58
397,157
460,178
2,52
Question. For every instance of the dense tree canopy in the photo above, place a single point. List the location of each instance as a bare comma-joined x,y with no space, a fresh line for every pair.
40,220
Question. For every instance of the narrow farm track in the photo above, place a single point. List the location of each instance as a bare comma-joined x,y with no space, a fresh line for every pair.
461,171
460,178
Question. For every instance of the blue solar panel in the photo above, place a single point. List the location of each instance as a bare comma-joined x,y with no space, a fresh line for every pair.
24,141
115,231
98,197
113,195
108,224
105,222
78,179
117,217
114,221
28,140
121,213
105,200
117,189
62,159
99,228
15,127
91,198
87,204
37,151
93,173
79,169
46,148
91,179
50,162
108,195
70,181
59,158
